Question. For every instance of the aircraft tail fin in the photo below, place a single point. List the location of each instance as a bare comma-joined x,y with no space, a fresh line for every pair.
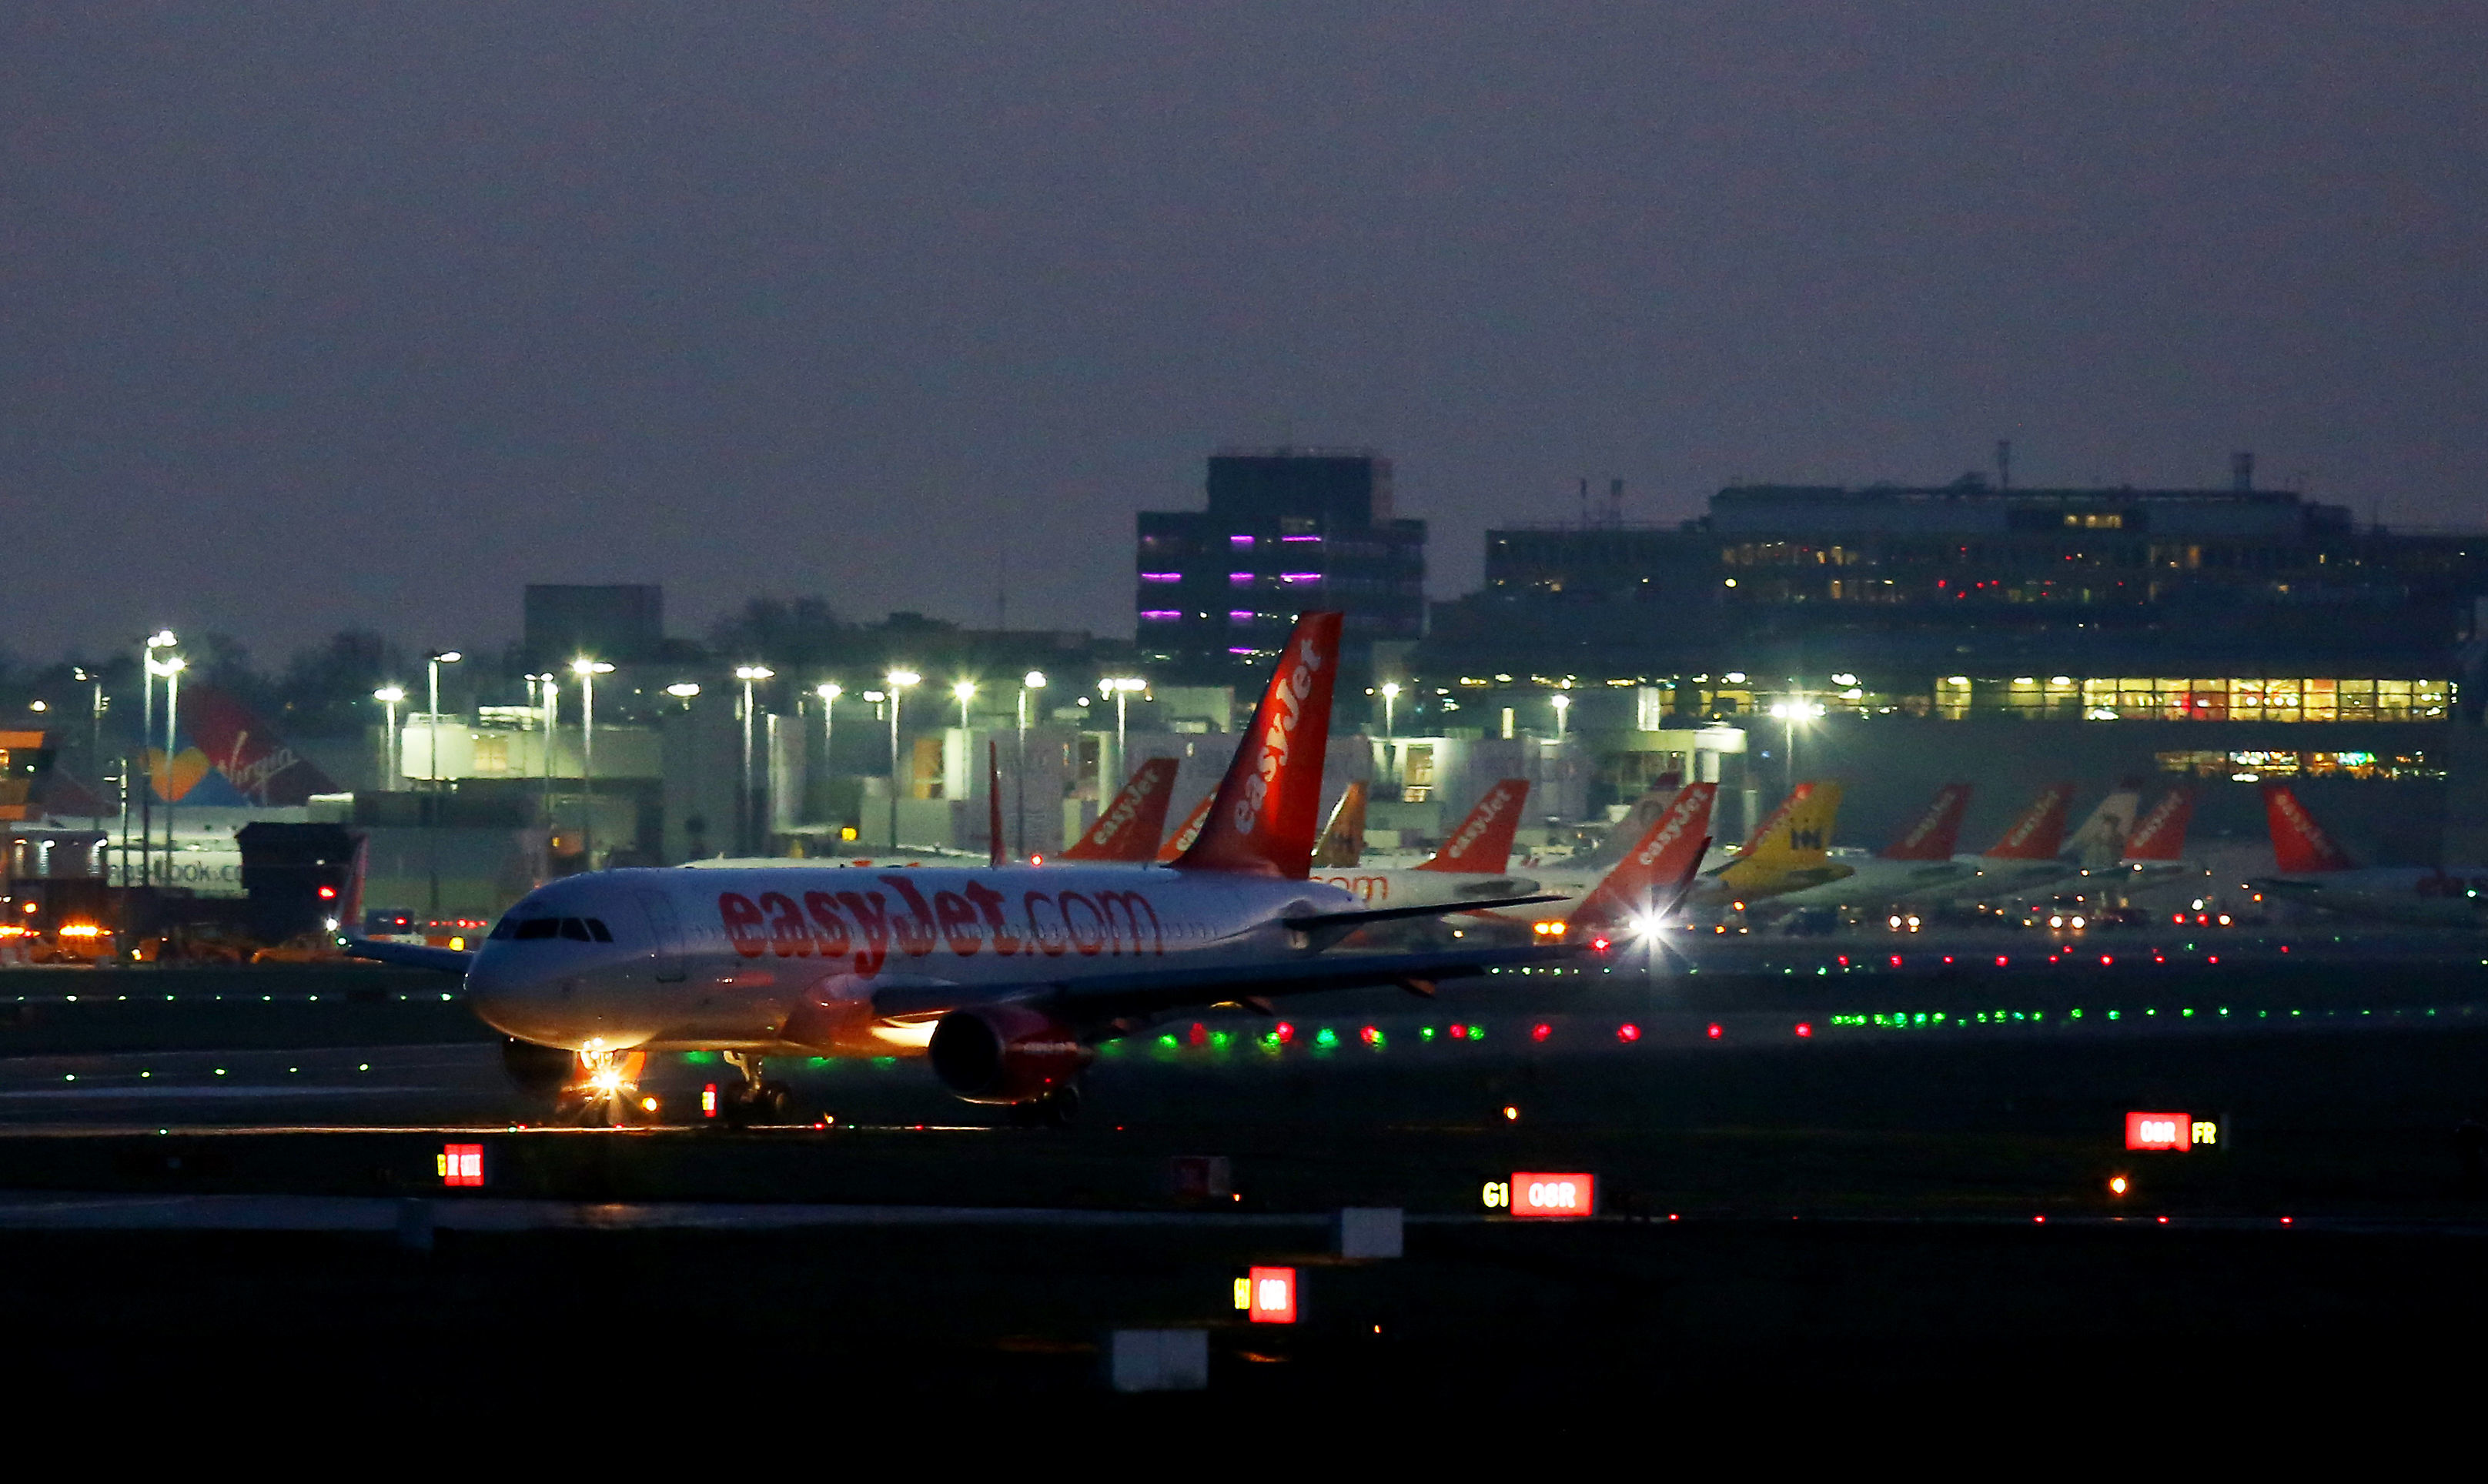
1936,831
1262,821
994,803
2297,843
1795,837
1186,832
1128,827
2161,834
1483,843
1663,859
2040,832
1342,839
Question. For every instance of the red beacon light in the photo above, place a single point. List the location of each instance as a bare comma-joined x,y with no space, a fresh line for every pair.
1716,1032
1285,1033
1540,1031
1628,1032
1804,1030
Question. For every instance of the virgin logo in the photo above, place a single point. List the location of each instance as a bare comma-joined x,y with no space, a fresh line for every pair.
1287,692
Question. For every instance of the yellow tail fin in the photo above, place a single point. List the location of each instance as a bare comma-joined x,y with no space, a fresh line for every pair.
1796,839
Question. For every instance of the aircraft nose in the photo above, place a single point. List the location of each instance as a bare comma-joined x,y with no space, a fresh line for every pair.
496,991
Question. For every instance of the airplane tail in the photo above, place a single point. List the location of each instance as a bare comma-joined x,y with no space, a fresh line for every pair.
234,758
1342,839
1263,819
1934,835
993,802
1186,832
2297,843
1483,843
1796,837
2161,834
2040,832
1128,829
1662,860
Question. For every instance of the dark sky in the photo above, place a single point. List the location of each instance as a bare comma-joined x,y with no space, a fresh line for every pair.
329,313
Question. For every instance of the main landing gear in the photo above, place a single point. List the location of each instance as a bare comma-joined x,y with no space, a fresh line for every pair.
1054,1108
755,1100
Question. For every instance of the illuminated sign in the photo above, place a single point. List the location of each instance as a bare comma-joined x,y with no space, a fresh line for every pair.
1267,1296
2176,1132
708,1101
461,1163
1543,1196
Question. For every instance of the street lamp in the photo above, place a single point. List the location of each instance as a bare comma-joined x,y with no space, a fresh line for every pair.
588,670
432,663
899,681
1390,703
95,760
544,690
161,638
963,691
171,669
1122,689
390,696
1791,714
749,673
1562,704
1034,679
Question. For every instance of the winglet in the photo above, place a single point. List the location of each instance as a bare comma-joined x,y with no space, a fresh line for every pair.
2297,843
1666,856
1263,818
1934,835
2040,832
1128,830
1483,843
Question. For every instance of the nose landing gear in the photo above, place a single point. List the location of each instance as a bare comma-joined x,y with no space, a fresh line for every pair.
1054,1109
604,1089
755,1100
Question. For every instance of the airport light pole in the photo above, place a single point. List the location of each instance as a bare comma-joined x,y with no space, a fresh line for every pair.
173,667
1123,688
748,805
899,681
1034,679
829,690
1792,715
963,692
1390,703
432,663
390,696
96,752
1562,704
162,638
588,670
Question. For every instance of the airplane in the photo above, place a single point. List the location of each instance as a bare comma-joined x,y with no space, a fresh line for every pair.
2025,856
1919,860
2098,843
1789,851
1128,830
1005,977
1342,839
2319,873
2156,851
1477,852
1186,832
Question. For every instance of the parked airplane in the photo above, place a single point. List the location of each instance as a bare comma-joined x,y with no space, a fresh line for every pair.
1790,852
2156,851
1127,828
2316,871
1186,832
1006,977
1477,852
1917,862
2025,855
1342,840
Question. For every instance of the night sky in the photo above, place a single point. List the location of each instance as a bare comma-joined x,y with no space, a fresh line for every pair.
329,313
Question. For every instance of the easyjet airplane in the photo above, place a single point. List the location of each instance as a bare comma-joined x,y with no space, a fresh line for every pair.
2024,856
1477,854
1007,976
2318,872
1919,861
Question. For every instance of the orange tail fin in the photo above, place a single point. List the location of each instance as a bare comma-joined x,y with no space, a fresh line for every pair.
1128,829
1264,816
1186,833
1483,843
2040,832
2161,834
2298,843
1932,836
1342,841
1664,857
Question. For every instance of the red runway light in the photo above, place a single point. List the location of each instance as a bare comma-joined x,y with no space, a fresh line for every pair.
1999,961
2106,961
1198,1034
1844,961
2216,958
327,893
1896,961
1460,1032
2041,1218
2163,1220
1714,1031
1540,1031
1804,1029
1286,1033
1628,1032
1599,943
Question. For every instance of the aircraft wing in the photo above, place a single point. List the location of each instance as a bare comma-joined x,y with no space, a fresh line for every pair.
1146,991
447,960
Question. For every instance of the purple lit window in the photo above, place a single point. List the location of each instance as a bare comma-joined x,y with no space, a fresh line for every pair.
1239,540
1242,650
1239,615
1161,576
1161,615
1239,580
1300,537
1300,576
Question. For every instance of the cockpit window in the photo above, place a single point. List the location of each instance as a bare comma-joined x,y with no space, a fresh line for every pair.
538,927
597,930
575,930
578,930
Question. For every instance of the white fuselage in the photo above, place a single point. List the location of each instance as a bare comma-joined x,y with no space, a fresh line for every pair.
726,959
2424,896
1875,881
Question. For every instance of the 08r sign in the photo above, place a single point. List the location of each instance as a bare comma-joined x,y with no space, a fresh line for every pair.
1543,1196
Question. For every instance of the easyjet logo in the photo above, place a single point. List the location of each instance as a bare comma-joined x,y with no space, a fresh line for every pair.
1933,819
2029,825
1493,805
2304,823
2158,819
866,927
1288,693
1678,820
1128,808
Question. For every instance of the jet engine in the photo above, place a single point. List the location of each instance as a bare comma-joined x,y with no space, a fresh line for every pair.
1005,1054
